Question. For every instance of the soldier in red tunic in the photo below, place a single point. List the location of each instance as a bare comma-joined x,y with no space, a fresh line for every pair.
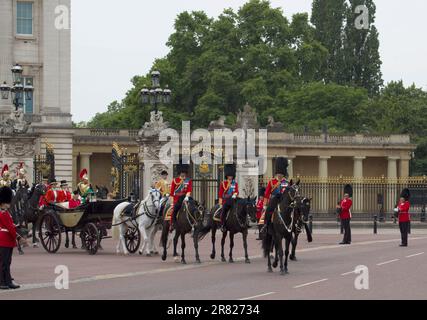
275,188
8,238
181,190
404,218
345,213
64,194
228,190
52,195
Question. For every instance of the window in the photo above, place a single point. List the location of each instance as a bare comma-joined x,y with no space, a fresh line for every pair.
24,18
27,104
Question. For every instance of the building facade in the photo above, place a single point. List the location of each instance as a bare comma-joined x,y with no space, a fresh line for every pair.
36,35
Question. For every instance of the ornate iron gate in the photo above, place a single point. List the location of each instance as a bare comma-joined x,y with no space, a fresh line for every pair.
125,173
44,165
206,184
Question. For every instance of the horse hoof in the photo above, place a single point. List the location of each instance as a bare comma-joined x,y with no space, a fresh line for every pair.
140,253
198,261
21,253
270,270
212,256
148,255
247,261
223,259
282,273
293,258
176,259
156,253
75,247
183,262
126,254
231,260
275,264
67,245
164,257
35,245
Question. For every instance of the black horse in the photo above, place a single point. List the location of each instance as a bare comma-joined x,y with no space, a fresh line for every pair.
284,218
32,212
236,222
304,207
190,216
18,208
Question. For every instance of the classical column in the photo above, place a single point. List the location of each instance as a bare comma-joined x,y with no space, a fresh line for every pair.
85,162
358,200
392,191
323,179
269,174
74,182
291,166
392,167
404,168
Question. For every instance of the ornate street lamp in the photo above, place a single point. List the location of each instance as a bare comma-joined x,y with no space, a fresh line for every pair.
18,89
155,95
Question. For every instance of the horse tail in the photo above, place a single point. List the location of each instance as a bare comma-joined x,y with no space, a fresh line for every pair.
165,233
267,242
309,235
204,231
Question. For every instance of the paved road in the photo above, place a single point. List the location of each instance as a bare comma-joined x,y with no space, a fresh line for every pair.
325,270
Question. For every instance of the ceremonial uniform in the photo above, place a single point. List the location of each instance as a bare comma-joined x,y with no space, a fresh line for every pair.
228,190
64,195
52,195
21,180
181,189
163,186
275,188
345,213
260,209
5,180
84,187
404,216
8,238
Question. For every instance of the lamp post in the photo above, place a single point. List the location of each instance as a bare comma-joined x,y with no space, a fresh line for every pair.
18,89
155,95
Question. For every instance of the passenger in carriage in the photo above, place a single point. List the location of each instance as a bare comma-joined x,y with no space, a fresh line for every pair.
52,195
75,201
64,194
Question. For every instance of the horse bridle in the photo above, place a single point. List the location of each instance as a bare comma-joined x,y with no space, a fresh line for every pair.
291,205
153,201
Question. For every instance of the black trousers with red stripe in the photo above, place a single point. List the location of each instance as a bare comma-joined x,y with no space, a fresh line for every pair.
5,262
404,230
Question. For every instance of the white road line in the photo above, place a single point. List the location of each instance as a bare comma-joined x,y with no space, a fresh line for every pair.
415,255
309,284
387,262
258,296
347,273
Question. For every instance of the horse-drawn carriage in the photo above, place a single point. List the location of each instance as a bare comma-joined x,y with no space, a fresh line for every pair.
91,220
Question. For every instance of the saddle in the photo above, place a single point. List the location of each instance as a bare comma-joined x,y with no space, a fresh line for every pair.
131,210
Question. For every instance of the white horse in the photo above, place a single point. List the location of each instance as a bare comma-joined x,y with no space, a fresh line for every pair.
146,219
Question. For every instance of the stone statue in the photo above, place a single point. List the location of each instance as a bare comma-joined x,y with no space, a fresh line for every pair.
15,124
155,126
274,126
218,124
248,119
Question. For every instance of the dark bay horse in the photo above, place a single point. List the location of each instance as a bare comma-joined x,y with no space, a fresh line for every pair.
18,208
32,211
284,218
236,222
191,216
304,207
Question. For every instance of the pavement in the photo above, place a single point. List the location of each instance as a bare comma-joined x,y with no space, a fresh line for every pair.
324,270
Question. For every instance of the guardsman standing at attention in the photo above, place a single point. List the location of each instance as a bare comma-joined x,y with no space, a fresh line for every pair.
275,188
345,213
259,209
228,191
5,180
181,190
8,238
404,216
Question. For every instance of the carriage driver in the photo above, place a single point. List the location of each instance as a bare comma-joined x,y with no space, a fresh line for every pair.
228,190
181,190
5,180
275,188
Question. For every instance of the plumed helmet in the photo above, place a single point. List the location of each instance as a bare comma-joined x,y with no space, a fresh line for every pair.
282,166
348,189
83,175
230,170
261,192
6,195
406,194
5,170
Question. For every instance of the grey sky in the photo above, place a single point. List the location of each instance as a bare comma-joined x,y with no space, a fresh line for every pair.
114,40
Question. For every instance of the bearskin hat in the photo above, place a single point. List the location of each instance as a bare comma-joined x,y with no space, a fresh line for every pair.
182,168
6,195
230,170
348,189
261,192
406,194
52,181
282,166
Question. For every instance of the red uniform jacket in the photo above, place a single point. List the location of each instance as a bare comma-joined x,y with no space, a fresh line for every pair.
346,205
259,208
404,211
274,187
181,188
52,196
42,200
63,196
74,203
227,190
7,230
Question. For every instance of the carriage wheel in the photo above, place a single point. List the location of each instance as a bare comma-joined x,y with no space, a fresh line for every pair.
132,239
90,238
50,232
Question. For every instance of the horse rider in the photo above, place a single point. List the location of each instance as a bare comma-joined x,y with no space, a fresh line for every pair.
181,190
344,209
5,180
84,187
64,194
8,238
275,188
259,210
228,191
404,217
21,179
164,187
52,195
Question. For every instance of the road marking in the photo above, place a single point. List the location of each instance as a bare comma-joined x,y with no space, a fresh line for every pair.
310,283
347,273
387,262
415,255
258,296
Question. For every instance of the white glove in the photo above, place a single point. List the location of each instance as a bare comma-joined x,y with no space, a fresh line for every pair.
187,199
234,196
167,195
396,210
